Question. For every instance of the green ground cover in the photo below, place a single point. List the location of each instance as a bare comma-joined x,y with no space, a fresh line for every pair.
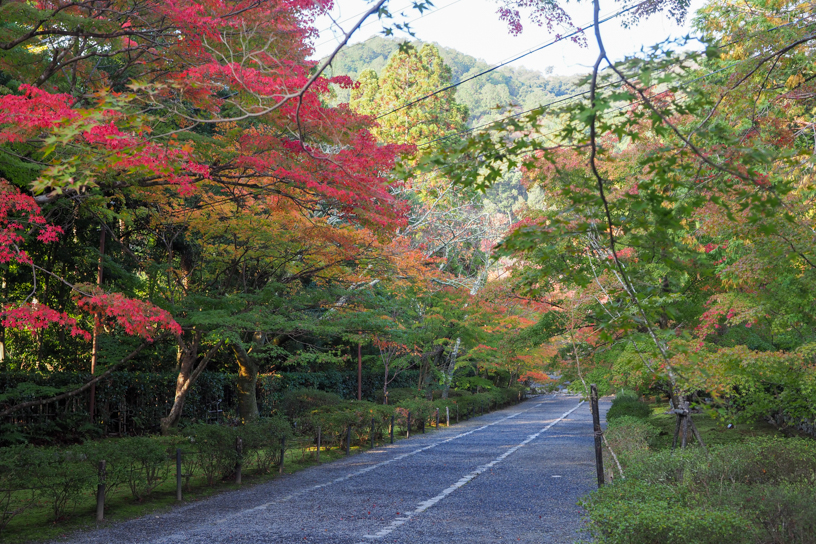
754,485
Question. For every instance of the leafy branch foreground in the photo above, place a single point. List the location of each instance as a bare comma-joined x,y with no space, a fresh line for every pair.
44,491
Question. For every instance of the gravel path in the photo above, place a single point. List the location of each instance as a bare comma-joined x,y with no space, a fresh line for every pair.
510,476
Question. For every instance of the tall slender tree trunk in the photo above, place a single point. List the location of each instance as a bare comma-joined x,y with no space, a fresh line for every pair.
385,384
359,371
188,374
451,367
97,324
247,380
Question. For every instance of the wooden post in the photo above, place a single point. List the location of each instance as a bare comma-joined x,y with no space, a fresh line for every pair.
392,429
100,492
457,412
408,433
348,440
437,419
372,432
239,451
283,454
178,475
447,416
318,444
596,425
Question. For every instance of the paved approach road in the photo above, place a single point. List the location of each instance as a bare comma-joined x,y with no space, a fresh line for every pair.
510,476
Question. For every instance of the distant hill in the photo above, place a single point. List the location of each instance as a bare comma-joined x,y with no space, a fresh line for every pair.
520,86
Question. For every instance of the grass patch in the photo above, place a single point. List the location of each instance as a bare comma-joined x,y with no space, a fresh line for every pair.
713,431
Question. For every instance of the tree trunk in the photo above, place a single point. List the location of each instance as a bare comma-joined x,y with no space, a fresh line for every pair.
451,367
247,381
385,384
359,371
663,320
97,323
186,378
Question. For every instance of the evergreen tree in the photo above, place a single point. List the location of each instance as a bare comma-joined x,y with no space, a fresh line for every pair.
410,74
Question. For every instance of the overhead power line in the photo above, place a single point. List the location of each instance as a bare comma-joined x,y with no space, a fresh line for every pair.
577,95
505,63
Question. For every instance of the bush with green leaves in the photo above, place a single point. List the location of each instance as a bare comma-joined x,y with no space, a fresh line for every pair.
630,437
399,394
117,457
300,402
16,493
61,477
333,422
757,491
626,403
421,411
215,449
147,464
262,440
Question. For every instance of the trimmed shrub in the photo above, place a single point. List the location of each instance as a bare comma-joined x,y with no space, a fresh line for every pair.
630,437
421,411
146,464
626,403
637,512
15,493
299,402
117,461
399,394
757,491
262,442
61,477
215,450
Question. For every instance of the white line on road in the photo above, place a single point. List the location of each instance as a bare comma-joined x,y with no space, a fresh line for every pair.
369,469
464,480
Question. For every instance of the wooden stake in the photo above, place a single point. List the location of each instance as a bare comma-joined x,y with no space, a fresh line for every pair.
596,426
239,450
283,454
178,475
100,492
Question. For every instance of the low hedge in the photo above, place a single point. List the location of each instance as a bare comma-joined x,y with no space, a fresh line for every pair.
626,404
133,403
757,491
60,478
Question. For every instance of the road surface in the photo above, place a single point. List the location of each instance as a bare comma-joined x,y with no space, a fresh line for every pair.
513,475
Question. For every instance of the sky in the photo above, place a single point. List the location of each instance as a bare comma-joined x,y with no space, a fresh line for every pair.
473,27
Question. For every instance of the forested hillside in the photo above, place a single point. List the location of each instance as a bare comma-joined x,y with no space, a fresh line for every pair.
483,96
